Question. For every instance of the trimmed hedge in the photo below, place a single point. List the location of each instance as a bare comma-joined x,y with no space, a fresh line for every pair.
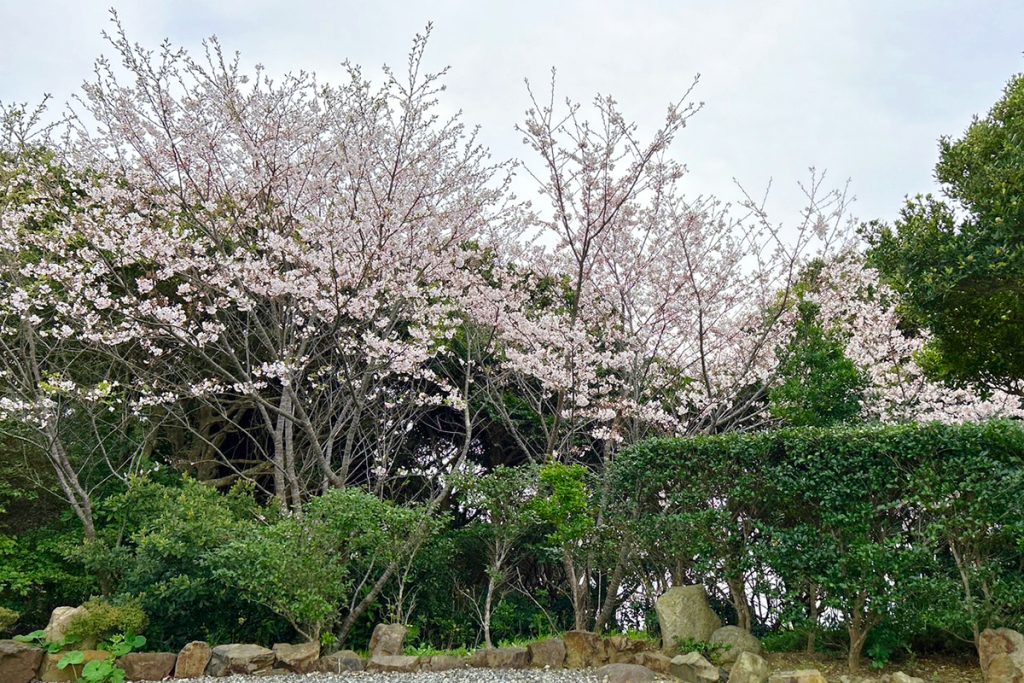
883,524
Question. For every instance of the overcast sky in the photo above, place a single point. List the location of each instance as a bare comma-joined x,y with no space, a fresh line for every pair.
861,88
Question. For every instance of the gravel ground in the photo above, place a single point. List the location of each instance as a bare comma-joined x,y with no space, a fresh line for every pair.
454,676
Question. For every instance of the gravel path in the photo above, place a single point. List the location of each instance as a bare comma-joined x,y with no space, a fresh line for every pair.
454,676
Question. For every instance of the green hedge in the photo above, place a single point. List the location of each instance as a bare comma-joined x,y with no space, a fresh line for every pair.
882,523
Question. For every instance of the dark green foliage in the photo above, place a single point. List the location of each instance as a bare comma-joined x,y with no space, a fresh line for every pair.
959,261
818,385
874,517
305,568
159,536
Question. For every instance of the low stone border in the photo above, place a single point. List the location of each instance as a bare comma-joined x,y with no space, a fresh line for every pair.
615,659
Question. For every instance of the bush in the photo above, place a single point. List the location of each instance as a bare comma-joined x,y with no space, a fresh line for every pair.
305,568
101,620
8,618
170,530
894,529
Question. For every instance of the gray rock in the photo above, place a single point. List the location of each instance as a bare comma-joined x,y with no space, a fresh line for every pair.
692,668
583,650
900,677
192,659
147,666
239,658
301,658
547,653
508,658
443,663
18,661
388,639
60,620
393,663
1001,652
684,613
657,662
749,668
737,641
341,662
624,673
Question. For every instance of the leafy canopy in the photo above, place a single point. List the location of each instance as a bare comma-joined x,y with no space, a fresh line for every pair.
959,261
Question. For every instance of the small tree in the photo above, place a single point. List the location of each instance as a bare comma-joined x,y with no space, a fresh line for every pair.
565,504
505,499
818,385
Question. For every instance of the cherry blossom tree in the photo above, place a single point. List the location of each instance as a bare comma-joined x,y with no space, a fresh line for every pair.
853,301
290,256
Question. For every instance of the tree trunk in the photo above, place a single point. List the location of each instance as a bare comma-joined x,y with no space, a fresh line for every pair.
858,627
488,605
280,488
580,594
611,600
812,610
738,597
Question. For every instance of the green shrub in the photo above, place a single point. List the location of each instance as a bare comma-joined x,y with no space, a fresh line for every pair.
788,640
304,568
171,529
713,652
894,529
101,620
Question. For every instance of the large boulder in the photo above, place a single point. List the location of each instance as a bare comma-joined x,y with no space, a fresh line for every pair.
749,668
343,661
735,641
692,668
388,639
508,658
583,650
684,614
547,654
239,659
301,658
147,666
624,673
60,620
18,661
49,673
192,659
1001,651
393,664
798,676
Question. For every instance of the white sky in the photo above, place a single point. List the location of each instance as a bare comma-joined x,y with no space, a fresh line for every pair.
862,88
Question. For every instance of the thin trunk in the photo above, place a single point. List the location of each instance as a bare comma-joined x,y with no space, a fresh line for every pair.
738,597
858,627
488,605
280,488
812,610
965,580
611,598
294,491
580,593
